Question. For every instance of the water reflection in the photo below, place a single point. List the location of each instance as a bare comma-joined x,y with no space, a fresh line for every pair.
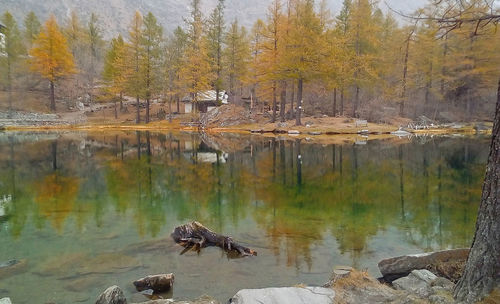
292,199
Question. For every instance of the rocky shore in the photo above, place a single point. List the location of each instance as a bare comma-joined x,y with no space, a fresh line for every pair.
420,278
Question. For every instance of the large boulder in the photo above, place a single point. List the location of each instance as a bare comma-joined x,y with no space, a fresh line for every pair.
289,295
448,264
112,295
417,283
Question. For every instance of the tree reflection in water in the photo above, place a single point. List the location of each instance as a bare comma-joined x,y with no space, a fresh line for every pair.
294,192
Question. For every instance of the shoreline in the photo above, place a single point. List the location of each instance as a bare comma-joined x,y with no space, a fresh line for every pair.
294,131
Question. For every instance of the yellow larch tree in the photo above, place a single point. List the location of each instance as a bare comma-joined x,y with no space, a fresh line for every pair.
196,73
50,56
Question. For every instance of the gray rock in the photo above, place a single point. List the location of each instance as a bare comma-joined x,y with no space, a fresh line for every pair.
442,284
372,294
5,301
397,267
289,295
441,299
282,125
417,283
202,300
112,295
424,275
294,132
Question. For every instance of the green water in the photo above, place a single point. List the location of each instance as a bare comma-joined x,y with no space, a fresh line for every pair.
88,211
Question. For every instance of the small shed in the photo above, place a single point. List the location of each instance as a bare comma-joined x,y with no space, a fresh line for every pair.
206,101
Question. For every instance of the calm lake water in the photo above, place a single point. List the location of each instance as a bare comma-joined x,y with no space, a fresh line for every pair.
86,211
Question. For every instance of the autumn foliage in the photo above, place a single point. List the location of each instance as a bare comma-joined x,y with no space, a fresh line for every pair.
50,56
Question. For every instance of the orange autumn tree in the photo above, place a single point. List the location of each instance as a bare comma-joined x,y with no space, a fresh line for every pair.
50,56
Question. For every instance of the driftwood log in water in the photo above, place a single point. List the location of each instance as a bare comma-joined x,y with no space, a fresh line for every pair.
198,236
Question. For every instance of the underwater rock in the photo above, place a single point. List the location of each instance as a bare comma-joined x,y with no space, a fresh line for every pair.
12,267
61,265
82,284
109,263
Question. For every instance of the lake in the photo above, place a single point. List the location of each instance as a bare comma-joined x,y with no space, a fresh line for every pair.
84,211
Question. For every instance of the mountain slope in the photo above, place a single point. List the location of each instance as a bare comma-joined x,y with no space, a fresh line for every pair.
115,15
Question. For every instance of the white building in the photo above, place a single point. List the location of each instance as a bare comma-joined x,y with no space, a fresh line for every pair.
206,101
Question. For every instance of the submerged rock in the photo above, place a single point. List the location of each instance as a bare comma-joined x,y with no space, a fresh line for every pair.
82,284
12,267
112,295
289,295
448,264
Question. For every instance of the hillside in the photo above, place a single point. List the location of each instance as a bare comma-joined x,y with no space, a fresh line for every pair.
115,15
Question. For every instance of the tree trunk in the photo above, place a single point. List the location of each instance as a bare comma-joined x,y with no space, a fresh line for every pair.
198,236
428,87
299,102
178,100
443,68
334,102
356,103
116,111
292,100
274,102
138,119
283,101
9,85
482,269
342,102
405,72
121,101
147,110
170,110
52,97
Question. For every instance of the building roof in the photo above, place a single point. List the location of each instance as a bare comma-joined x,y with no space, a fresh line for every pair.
209,95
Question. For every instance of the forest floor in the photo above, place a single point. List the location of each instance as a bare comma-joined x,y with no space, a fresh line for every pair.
30,115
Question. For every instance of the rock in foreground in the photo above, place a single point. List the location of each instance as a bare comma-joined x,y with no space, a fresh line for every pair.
418,283
112,295
448,264
202,300
289,295
157,283
5,301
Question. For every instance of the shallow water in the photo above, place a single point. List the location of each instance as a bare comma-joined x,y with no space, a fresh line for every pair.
86,211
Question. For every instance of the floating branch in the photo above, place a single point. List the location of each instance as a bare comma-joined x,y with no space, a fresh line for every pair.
196,236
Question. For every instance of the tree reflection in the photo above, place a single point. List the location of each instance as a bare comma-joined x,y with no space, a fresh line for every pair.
296,192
